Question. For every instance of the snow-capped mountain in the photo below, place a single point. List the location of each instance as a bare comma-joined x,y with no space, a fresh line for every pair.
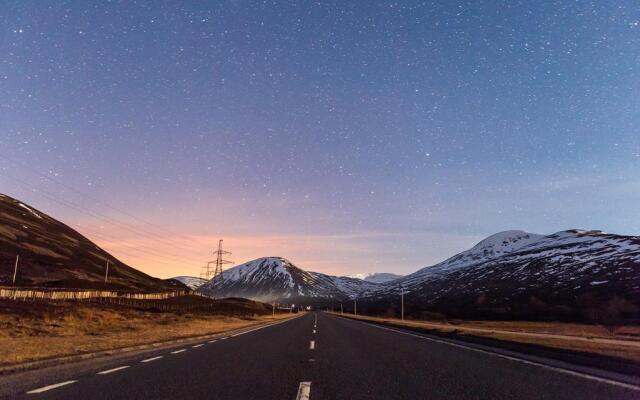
492,247
376,277
277,279
567,272
191,282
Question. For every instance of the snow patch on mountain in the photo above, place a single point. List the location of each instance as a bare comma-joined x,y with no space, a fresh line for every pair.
191,281
376,277
30,210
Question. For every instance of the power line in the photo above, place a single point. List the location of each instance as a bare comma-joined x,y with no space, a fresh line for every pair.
125,253
135,249
105,219
34,171
84,210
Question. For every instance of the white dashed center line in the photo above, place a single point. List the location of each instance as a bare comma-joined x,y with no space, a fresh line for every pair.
56,385
151,359
112,370
304,390
312,345
178,351
195,346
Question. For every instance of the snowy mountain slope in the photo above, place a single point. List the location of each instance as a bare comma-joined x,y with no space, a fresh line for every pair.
191,282
277,279
376,277
573,271
492,247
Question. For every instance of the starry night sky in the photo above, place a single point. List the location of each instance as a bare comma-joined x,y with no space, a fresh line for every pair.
347,136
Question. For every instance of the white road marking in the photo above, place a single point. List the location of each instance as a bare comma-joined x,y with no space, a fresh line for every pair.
520,360
112,370
314,331
55,385
213,341
312,345
151,359
304,390
195,346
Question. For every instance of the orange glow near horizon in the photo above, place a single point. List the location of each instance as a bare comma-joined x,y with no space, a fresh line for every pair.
330,254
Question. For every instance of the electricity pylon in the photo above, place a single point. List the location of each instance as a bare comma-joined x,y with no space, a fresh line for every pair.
210,273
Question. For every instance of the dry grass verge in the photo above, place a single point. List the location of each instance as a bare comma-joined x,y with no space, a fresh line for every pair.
37,331
622,342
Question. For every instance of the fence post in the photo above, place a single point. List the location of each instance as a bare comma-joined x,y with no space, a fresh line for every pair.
15,269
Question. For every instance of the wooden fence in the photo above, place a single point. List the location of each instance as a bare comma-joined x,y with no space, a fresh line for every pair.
79,295
140,300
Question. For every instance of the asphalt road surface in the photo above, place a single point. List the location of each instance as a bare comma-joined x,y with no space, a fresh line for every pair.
321,357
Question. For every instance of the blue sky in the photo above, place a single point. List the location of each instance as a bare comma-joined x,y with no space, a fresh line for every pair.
348,136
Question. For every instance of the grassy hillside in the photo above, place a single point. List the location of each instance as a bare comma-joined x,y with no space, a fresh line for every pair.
54,255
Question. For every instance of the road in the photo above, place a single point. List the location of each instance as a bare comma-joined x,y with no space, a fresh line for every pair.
321,357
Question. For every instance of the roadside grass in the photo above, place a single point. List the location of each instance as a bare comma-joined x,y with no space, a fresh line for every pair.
622,342
37,331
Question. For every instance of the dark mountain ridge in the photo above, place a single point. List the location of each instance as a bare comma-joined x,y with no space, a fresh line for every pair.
54,255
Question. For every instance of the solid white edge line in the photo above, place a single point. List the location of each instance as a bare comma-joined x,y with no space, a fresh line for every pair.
258,328
195,346
178,351
304,391
520,360
112,370
151,359
312,345
55,385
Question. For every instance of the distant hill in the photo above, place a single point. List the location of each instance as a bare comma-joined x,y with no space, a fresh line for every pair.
376,277
190,281
54,255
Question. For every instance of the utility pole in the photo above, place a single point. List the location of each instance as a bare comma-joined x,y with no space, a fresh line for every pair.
273,313
106,272
402,303
355,307
15,270
341,311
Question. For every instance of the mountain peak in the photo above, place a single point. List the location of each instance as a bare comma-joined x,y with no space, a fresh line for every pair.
505,242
